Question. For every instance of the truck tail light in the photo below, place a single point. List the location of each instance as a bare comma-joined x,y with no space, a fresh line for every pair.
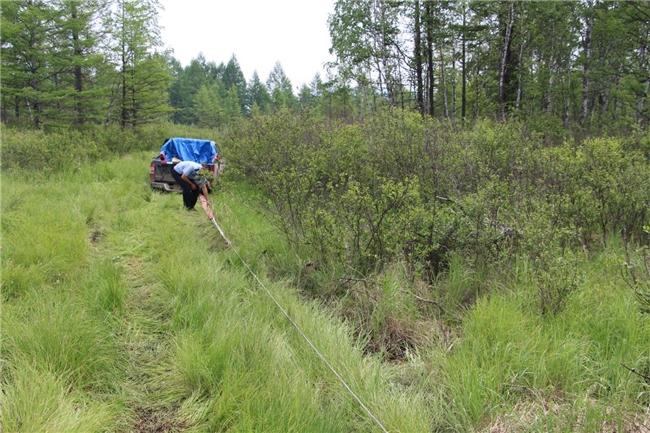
152,171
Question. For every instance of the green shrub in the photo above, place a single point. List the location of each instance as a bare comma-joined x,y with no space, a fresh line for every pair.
396,185
70,149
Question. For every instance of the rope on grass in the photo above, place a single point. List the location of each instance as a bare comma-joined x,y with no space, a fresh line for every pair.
307,339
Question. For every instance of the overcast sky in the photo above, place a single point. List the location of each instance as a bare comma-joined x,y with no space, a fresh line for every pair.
259,33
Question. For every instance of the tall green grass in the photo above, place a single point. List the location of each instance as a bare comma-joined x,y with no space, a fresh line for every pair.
238,355
63,364
118,305
509,353
38,400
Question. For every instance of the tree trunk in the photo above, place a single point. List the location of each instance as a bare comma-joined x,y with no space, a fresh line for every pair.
35,105
565,96
134,103
640,102
520,73
3,112
379,77
430,79
603,100
548,103
453,81
586,48
477,92
17,107
504,69
417,55
643,119
464,86
387,67
443,82
124,115
78,77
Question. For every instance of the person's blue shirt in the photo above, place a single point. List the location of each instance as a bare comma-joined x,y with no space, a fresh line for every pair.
188,168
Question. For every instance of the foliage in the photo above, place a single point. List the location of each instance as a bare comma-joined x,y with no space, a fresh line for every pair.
556,278
40,151
105,327
370,193
204,176
207,108
70,63
572,65
100,62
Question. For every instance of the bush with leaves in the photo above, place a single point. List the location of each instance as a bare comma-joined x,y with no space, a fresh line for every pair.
398,186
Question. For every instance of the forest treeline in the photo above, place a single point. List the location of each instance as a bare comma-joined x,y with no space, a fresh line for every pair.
580,65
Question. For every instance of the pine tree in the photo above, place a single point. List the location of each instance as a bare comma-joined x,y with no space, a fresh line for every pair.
144,75
208,110
257,95
234,77
26,59
280,87
232,105
183,90
76,60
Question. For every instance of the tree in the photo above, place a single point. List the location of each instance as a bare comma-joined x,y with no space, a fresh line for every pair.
586,60
280,88
149,90
310,95
232,105
208,110
234,77
143,77
77,60
506,21
429,25
257,95
184,88
636,19
364,39
417,56
26,57
305,98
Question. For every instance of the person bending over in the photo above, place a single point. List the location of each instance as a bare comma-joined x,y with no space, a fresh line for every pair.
185,173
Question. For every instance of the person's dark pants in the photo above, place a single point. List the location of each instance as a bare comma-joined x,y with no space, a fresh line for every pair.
190,196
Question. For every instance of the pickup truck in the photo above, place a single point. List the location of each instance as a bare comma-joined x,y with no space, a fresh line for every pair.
177,149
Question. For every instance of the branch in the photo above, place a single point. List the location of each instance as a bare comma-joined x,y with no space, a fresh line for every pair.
428,301
644,14
643,376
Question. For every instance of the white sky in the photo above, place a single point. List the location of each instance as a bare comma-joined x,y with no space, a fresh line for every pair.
259,33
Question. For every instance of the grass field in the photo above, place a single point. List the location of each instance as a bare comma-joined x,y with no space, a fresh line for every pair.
124,313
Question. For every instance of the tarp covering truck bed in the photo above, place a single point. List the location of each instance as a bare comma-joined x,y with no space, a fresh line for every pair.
190,149
184,149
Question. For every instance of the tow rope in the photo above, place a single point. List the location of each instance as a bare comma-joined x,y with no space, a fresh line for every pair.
298,329
223,235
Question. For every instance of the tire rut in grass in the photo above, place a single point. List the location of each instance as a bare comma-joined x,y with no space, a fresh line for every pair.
147,345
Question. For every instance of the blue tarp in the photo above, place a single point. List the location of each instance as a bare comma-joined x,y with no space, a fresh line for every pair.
190,149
